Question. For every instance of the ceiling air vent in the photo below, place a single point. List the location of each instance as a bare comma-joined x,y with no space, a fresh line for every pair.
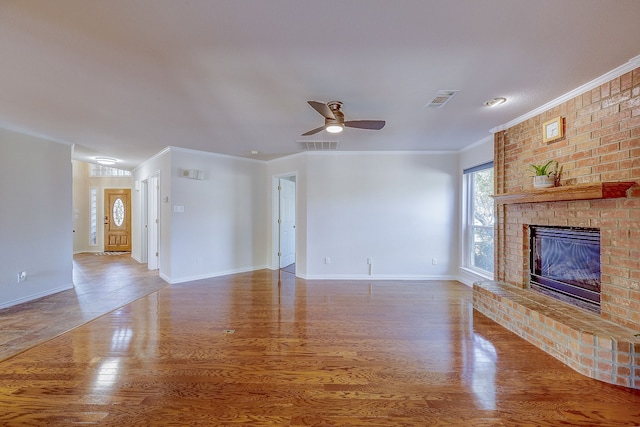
442,97
319,145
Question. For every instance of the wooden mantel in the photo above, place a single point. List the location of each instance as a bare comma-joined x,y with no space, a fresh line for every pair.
600,190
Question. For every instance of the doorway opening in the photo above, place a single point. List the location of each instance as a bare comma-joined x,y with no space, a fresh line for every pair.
285,222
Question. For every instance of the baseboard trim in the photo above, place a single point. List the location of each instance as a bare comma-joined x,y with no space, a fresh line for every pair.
36,296
177,280
375,277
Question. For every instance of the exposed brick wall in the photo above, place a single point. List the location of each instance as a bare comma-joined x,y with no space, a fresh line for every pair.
601,143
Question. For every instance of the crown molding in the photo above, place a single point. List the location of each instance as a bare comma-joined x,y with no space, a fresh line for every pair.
632,64
212,154
485,140
150,159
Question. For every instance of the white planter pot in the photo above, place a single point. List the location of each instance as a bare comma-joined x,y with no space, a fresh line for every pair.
544,181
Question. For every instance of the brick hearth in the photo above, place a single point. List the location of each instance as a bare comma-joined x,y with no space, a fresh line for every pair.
595,347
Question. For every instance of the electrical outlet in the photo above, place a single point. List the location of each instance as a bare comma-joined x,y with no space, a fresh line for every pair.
369,261
22,276
327,260
434,261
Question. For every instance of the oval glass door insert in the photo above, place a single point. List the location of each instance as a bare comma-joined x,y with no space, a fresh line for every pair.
118,212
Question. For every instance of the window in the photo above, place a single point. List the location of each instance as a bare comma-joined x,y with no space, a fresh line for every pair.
101,170
93,227
479,218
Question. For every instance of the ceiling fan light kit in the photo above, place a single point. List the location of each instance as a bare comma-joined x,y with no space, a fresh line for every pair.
334,119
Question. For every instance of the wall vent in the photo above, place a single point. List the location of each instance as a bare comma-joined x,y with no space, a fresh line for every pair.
319,145
441,98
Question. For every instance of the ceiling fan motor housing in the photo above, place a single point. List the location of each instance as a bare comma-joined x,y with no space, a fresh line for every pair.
337,113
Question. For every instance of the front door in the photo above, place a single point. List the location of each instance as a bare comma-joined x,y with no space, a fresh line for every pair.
117,220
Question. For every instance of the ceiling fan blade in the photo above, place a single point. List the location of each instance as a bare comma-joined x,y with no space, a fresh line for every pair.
322,108
313,131
365,124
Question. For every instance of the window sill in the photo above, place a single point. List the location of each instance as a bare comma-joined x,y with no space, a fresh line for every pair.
480,274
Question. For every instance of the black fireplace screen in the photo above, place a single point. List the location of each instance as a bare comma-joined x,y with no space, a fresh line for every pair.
565,264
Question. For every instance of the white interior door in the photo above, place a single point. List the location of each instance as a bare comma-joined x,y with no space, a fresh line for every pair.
144,221
287,221
153,222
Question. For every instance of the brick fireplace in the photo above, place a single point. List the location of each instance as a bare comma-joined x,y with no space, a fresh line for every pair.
600,155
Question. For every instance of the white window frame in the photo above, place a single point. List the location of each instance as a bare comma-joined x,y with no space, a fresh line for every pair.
93,216
469,227
98,171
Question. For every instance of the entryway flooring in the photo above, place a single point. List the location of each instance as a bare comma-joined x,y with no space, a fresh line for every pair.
265,348
102,284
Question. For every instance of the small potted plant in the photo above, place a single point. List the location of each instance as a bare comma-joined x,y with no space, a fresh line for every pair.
547,175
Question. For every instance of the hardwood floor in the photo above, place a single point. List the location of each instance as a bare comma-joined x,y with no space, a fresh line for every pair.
266,348
101,284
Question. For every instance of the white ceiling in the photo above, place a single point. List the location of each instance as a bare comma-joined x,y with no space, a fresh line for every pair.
126,78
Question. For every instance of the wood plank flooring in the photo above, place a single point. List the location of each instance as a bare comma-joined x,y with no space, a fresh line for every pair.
268,349
102,283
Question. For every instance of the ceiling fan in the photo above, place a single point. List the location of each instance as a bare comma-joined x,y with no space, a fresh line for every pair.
334,119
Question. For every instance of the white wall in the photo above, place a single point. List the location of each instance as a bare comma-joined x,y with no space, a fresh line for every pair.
222,228
477,154
399,209
35,217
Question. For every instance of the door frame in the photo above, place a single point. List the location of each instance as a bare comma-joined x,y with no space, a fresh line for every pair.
153,229
144,219
275,214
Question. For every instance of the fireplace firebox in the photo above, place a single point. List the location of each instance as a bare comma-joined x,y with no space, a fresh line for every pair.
565,264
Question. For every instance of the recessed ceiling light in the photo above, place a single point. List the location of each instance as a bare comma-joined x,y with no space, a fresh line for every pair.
495,101
255,152
106,160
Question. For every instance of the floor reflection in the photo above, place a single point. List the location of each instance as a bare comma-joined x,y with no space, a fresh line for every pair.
101,284
107,375
483,378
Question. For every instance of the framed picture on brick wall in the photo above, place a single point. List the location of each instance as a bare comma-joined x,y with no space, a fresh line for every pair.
552,129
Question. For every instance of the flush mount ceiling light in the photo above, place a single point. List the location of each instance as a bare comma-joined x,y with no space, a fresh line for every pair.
334,128
106,160
495,101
